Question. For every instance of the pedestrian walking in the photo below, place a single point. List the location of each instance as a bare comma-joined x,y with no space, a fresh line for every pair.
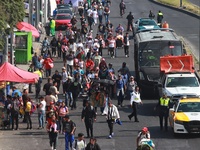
122,8
48,65
52,26
106,13
14,110
134,101
92,145
69,128
88,116
163,109
130,21
112,115
57,78
151,15
53,130
30,69
41,112
79,144
120,91
38,84
131,86
126,44
62,112
28,109
76,89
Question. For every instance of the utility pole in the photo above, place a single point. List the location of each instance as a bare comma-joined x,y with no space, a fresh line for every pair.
181,3
5,52
45,11
37,12
30,14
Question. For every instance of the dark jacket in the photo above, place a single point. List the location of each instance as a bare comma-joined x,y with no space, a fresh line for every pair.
92,147
88,113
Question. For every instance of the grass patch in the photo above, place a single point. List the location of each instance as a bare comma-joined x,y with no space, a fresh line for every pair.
185,3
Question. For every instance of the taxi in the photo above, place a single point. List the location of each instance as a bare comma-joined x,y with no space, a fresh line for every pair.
184,117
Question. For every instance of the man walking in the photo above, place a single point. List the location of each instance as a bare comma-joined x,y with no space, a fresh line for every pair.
69,128
112,114
89,116
126,44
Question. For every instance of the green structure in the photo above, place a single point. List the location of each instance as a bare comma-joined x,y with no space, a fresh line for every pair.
23,46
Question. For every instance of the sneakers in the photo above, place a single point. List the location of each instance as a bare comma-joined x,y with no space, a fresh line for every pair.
52,147
126,55
110,136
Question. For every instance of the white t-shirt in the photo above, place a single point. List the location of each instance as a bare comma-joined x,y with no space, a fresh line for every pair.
43,105
112,43
94,14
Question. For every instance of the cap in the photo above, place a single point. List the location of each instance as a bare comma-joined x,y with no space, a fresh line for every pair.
124,63
110,64
144,129
63,68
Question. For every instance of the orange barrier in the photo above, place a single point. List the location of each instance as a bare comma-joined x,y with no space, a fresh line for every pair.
176,64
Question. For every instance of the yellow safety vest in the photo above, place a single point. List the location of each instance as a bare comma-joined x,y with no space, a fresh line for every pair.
160,14
39,73
164,101
53,24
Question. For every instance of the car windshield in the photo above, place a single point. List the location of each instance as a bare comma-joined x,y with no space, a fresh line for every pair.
189,107
182,82
63,17
150,52
61,11
147,23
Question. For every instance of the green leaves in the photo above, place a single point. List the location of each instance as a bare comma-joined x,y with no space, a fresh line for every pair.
11,12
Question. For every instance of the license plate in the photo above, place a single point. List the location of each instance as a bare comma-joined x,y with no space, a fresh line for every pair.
195,129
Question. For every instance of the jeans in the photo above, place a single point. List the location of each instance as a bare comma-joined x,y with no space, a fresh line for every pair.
120,96
41,118
48,72
69,139
28,119
68,98
106,17
100,18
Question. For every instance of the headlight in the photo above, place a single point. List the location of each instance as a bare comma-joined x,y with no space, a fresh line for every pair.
178,122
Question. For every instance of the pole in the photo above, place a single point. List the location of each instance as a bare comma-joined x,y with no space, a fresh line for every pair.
37,12
5,55
11,48
181,3
45,12
30,15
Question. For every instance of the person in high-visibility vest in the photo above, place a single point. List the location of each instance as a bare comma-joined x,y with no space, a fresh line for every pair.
52,26
159,17
163,105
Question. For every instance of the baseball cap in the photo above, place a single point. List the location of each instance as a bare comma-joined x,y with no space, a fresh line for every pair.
63,68
144,129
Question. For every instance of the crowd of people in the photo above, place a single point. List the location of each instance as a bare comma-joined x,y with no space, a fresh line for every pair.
85,75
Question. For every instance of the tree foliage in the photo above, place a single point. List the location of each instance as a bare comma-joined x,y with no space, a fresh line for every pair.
11,12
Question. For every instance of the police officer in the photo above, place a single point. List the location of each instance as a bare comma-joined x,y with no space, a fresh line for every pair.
163,107
159,17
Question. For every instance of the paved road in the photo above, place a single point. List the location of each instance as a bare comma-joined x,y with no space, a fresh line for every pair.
125,135
196,2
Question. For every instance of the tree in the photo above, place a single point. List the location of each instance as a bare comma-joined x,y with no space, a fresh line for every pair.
11,12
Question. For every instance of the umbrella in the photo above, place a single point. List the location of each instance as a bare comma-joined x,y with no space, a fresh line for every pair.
105,81
24,26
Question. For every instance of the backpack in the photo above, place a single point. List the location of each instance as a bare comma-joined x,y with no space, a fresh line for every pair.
122,5
33,108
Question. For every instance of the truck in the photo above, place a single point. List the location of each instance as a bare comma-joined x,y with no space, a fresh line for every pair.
178,77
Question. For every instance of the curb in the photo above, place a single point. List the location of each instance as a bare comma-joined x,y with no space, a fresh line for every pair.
175,8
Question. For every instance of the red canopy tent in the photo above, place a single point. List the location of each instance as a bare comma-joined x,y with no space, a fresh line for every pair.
11,73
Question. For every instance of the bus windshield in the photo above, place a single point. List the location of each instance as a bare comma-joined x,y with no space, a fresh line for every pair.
150,52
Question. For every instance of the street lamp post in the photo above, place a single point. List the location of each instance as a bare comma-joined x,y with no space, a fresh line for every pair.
181,3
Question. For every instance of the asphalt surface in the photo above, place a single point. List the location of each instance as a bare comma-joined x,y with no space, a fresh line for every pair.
125,135
196,2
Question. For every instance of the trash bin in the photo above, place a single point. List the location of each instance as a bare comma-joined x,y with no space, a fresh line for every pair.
47,29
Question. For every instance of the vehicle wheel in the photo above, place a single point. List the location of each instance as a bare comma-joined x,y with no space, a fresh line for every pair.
174,133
